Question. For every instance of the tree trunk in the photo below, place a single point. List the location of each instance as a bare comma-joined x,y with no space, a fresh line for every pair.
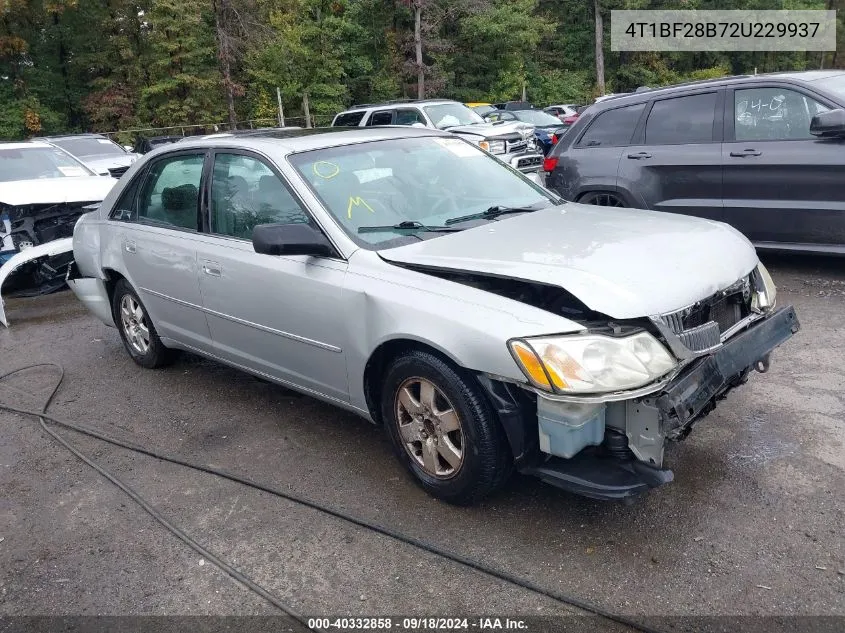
306,109
418,49
224,53
599,47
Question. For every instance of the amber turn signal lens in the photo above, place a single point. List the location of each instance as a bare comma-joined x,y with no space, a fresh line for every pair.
530,364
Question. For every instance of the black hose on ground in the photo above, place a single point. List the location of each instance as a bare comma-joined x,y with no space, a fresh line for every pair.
507,577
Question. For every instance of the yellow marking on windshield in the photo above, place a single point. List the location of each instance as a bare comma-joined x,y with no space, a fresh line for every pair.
357,201
324,169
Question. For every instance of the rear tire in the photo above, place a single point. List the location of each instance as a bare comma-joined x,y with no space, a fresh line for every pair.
602,199
137,330
443,429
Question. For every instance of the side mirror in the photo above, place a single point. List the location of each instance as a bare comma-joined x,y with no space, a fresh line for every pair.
828,124
290,239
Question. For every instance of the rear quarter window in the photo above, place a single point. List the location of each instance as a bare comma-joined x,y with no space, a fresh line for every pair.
612,127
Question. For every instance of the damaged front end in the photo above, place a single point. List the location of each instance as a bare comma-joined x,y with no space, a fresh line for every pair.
609,444
36,247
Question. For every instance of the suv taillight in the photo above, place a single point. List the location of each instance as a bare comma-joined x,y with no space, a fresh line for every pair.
549,163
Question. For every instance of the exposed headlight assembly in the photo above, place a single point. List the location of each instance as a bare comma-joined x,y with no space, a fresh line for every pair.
591,363
494,147
765,294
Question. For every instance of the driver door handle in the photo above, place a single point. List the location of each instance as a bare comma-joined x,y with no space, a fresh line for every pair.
639,155
746,152
212,268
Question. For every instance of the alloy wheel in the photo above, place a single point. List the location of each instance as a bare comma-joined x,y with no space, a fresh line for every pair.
430,428
134,323
603,200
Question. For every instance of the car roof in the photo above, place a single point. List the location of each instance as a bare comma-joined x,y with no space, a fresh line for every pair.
802,77
290,141
398,104
24,145
61,137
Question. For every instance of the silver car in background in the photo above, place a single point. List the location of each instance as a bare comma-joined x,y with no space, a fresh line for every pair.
410,277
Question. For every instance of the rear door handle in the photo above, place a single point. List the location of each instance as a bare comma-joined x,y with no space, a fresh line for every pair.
639,155
746,152
212,268
129,246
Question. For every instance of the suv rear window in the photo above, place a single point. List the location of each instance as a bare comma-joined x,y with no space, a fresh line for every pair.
350,119
612,127
681,120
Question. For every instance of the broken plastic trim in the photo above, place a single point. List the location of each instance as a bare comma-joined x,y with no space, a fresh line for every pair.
36,270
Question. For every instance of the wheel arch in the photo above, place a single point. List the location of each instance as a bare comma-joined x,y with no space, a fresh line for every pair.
513,408
622,194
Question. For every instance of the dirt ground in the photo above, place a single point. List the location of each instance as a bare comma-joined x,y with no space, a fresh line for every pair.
752,524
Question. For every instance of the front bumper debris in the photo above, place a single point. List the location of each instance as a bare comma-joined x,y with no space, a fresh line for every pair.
694,392
606,472
35,270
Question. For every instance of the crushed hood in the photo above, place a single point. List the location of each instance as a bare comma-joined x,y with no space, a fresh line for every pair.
491,130
56,190
625,263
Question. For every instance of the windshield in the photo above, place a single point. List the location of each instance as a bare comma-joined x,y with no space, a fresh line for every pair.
428,180
38,162
446,115
536,117
835,85
85,147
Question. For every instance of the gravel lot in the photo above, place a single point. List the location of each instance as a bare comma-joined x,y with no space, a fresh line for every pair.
752,525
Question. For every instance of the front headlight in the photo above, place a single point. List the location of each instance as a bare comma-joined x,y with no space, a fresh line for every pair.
766,293
494,147
591,363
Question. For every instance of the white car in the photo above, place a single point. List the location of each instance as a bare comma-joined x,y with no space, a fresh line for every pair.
43,192
98,152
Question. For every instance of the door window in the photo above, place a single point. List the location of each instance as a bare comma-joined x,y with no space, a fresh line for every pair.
381,118
125,207
349,119
245,193
613,127
773,114
681,120
408,117
170,194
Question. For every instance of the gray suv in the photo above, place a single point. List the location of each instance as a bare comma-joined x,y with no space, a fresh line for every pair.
512,143
764,153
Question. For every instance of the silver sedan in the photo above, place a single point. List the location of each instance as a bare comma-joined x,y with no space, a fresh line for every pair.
410,277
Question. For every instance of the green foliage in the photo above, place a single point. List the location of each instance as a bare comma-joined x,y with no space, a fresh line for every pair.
107,65
184,84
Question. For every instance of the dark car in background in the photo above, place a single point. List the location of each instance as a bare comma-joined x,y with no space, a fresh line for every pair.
547,128
567,112
763,153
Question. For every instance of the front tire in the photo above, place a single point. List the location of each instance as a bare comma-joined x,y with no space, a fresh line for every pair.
443,429
137,330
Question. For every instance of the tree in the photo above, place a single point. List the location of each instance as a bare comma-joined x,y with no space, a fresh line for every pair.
599,47
185,84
